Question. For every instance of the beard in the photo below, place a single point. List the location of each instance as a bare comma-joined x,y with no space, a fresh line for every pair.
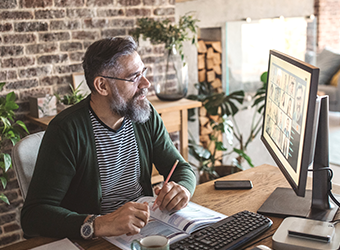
137,110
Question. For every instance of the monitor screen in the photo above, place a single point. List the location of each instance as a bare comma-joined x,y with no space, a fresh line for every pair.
290,102
295,132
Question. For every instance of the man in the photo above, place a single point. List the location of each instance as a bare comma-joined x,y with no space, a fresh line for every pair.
96,157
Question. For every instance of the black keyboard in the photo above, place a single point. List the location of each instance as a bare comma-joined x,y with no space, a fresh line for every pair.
229,233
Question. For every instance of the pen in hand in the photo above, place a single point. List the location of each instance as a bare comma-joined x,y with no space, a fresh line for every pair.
154,206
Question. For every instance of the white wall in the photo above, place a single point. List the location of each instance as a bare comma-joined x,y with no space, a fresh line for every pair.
213,13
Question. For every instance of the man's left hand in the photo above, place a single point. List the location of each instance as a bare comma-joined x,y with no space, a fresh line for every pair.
172,197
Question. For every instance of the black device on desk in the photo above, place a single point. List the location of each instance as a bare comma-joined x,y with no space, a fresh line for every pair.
231,184
229,233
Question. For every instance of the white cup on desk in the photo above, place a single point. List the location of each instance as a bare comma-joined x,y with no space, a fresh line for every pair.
151,242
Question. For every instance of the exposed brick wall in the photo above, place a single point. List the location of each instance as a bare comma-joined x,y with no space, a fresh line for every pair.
42,43
328,23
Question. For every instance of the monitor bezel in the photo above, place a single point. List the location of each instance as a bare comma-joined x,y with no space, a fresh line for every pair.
310,121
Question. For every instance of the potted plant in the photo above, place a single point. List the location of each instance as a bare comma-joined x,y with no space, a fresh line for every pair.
221,110
69,99
170,72
11,132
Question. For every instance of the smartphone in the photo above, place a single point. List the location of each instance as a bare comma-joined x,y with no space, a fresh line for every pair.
242,184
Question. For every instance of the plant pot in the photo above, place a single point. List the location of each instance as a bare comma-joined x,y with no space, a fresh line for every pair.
171,76
222,170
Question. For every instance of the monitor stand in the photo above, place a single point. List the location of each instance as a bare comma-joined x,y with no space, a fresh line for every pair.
283,202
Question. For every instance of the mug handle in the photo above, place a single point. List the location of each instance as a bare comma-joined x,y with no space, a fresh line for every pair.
135,243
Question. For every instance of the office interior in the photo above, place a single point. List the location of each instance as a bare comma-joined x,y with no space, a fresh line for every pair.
42,46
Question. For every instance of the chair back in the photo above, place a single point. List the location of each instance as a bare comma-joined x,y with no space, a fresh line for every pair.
24,157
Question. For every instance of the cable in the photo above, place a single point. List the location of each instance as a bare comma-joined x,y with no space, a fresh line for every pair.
330,177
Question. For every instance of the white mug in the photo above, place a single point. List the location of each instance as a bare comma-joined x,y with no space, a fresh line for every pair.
151,242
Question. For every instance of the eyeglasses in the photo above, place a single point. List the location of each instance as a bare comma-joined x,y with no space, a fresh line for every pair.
134,80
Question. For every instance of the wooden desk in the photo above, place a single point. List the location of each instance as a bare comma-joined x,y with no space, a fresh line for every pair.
265,179
174,115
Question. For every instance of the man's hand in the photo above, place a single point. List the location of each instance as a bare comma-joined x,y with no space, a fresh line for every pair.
172,197
128,219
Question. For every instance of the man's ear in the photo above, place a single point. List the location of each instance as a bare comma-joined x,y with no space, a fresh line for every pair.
101,86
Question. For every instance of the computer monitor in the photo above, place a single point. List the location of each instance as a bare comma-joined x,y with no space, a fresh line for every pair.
295,132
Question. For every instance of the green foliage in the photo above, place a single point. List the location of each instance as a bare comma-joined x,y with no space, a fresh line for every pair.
74,97
163,31
226,107
10,131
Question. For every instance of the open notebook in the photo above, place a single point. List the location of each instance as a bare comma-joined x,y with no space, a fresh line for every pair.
174,225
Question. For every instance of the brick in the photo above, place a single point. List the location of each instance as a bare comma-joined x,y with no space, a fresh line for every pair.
52,59
65,25
55,80
5,240
71,46
87,44
92,3
121,23
56,36
24,95
73,68
129,2
11,74
96,23
113,32
155,2
21,84
85,35
8,4
110,12
19,39
35,71
8,75
36,3
77,56
11,227
3,75
138,12
41,48
6,218
69,3
14,50
164,11
49,14
16,15
80,13
6,27
17,62
30,26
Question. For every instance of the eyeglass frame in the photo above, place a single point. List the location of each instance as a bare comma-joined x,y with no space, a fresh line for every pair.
135,80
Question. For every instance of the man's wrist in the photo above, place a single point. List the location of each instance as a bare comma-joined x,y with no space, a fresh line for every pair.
87,229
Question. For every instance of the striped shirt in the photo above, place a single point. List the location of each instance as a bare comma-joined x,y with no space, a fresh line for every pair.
118,162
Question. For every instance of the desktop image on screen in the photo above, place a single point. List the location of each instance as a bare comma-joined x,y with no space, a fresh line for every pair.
295,132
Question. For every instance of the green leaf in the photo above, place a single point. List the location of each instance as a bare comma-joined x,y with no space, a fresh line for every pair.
244,155
2,84
4,199
7,162
3,181
21,124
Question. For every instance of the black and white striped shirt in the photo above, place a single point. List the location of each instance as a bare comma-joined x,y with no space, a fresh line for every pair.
119,165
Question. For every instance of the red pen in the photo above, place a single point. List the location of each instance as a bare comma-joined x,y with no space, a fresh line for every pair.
154,206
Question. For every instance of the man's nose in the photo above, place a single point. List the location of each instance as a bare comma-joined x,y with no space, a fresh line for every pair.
144,83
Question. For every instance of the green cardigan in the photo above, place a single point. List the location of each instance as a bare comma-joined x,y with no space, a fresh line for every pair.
65,186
